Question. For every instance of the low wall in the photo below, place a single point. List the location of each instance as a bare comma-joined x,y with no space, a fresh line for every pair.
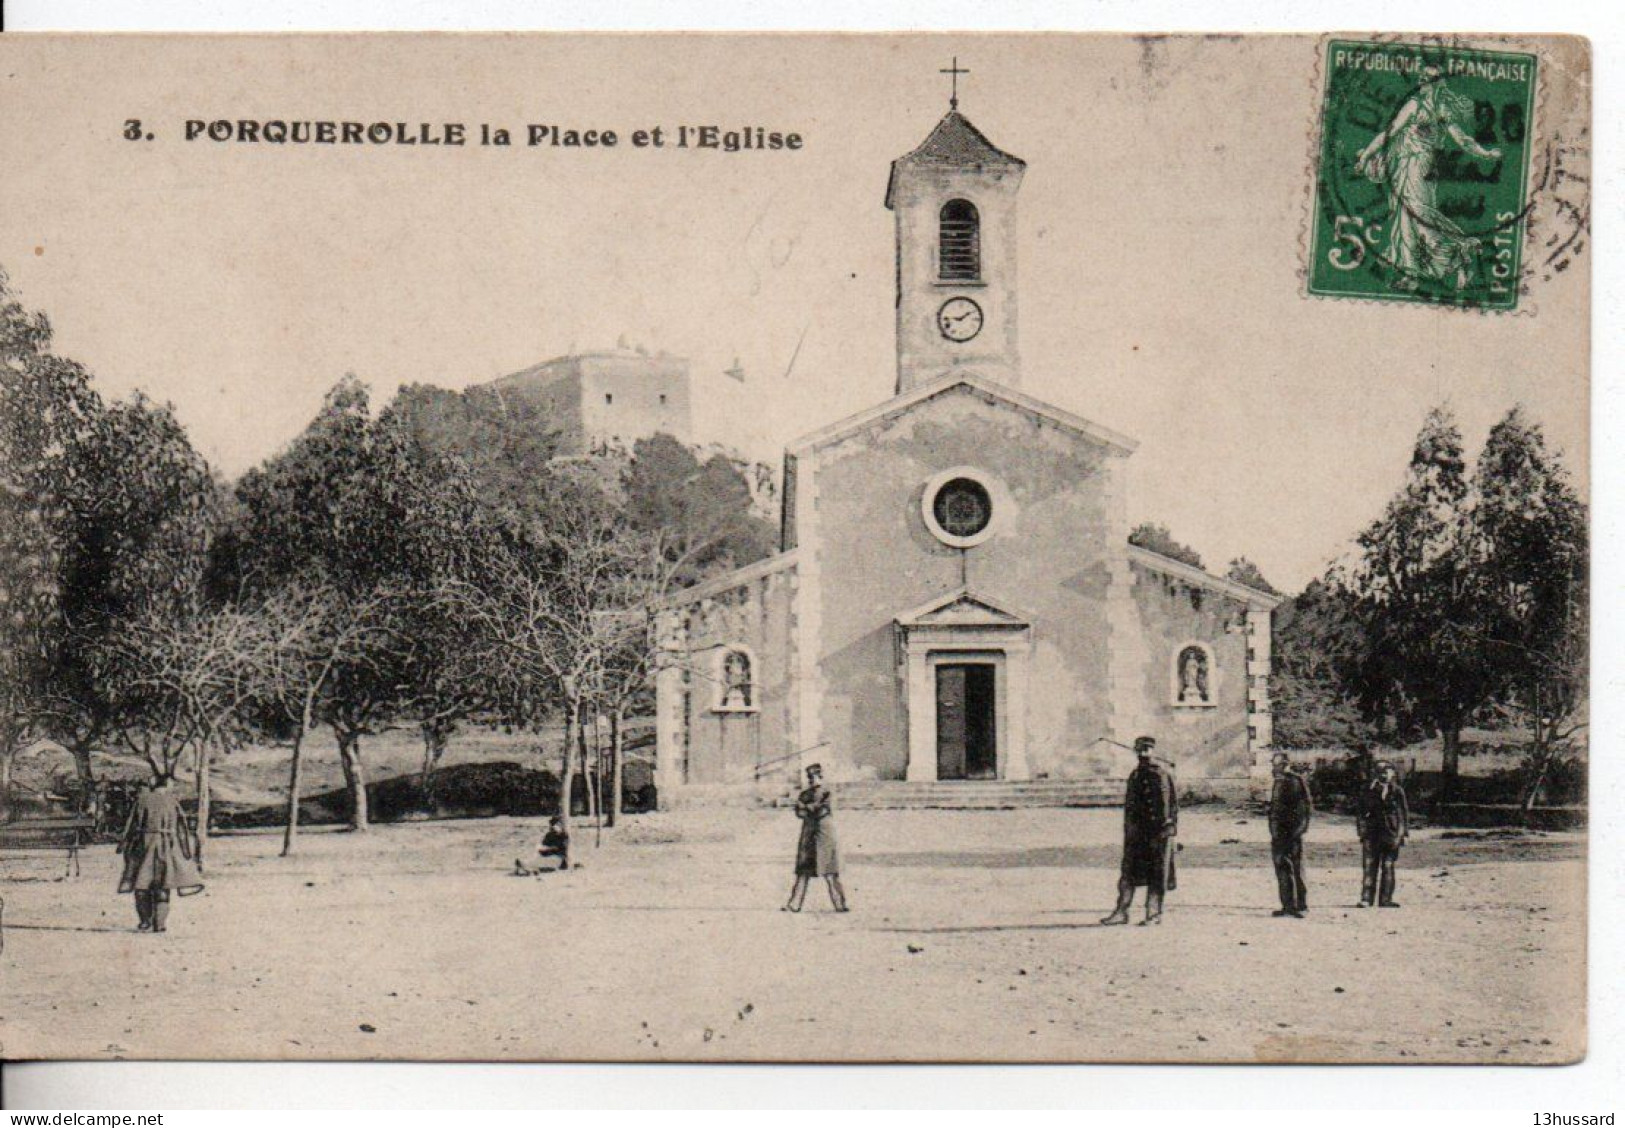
1508,815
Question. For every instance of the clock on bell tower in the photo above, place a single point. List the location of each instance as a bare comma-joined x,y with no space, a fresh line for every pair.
955,202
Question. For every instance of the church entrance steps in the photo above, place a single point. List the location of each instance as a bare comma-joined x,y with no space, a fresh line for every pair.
977,795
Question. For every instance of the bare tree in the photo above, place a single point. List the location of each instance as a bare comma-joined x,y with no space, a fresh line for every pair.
563,614
315,631
181,683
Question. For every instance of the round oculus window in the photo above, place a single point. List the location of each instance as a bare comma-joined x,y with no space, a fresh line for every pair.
962,508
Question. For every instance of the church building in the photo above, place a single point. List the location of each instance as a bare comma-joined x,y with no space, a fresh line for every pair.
955,598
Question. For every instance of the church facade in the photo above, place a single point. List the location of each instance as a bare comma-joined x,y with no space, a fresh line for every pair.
955,597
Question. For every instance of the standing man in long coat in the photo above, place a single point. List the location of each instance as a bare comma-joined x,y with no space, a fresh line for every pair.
160,854
816,852
1384,822
1291,810
1150,824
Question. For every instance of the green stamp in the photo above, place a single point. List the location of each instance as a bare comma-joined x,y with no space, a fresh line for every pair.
1421,177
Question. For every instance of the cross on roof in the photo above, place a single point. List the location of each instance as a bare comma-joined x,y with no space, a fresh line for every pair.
955,70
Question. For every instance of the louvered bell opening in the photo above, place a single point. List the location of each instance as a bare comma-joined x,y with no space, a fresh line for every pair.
959,243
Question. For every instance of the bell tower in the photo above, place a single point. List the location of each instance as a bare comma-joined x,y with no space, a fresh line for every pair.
955,202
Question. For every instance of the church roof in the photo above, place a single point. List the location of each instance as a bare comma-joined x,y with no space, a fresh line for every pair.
1178,569
954,143
729,581
946,383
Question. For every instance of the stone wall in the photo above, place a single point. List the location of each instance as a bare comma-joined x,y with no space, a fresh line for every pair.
876,559
1202,741
611,399
627,397
922,352
717,746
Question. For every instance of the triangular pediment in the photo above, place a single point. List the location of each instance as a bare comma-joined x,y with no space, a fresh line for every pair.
952,383
962,608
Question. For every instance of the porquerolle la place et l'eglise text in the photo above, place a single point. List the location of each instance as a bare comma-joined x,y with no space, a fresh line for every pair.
276,131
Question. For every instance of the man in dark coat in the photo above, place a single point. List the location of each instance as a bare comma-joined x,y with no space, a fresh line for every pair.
1291,810
1150,824
1384,821
160,855
816,852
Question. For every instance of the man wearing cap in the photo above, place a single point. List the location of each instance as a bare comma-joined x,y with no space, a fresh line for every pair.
1383,820
1150,823
1290,812
816,852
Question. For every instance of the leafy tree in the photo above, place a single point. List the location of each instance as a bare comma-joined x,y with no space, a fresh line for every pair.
450,529
46,404
372,521
334,511
1158,539
505,442
138,518
1317,644
701,510
1414,595
1530,531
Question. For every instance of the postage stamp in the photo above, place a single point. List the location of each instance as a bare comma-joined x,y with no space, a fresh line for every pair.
1420,190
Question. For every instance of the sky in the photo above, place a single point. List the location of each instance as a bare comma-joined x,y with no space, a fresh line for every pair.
1161,247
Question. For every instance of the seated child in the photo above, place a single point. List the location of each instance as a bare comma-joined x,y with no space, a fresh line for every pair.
555,843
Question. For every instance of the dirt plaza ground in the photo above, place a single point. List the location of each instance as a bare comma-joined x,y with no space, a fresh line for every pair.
974,936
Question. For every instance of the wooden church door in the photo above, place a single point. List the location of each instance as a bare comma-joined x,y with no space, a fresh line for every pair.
966,726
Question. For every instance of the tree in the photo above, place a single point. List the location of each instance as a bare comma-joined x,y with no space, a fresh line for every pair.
448,529
311,630
1317,644
1530,539
132,520
1414,595
178,681
46,405
701,511
336,511
1158,539
504,441
1244,571
562,607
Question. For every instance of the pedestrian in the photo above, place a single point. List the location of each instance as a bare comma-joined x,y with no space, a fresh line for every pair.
816,852
1150,824
1383,820
160,854
1291,810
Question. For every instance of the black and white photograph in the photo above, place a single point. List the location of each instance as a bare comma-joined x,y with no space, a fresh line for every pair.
906,548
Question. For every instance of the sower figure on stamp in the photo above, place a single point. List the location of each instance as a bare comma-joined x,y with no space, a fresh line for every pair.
160,854
816,852
1384,821
1291,809
1150,824
1422,242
